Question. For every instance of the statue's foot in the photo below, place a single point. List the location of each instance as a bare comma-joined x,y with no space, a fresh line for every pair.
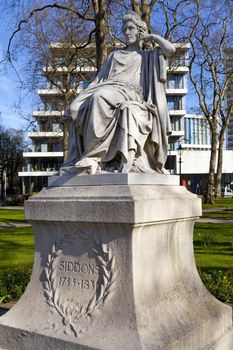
126,164
139,167
165,171
87,166
67,170
125,167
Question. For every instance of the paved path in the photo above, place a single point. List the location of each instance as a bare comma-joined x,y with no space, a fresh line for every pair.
211,210
16,225
13,208
216,221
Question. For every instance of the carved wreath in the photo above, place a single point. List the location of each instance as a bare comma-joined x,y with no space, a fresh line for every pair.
70,311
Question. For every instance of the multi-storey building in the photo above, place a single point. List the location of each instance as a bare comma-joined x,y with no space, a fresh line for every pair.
189,131
46,155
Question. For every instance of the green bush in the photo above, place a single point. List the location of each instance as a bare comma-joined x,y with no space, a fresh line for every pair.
13,283
219,283
15,200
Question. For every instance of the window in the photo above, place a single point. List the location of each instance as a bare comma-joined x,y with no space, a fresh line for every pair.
175,122
173,145
56,127
37,147
180,61
44,147
175,81
196,131
174,102
57,147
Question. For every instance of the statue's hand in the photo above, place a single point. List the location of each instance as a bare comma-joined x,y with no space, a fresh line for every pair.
148,42
167,48
148,38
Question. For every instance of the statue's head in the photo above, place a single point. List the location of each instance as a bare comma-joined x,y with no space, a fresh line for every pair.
139,27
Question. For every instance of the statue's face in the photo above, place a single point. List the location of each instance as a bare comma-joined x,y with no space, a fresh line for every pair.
131,32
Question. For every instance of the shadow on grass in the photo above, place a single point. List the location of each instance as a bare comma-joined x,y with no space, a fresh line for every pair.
214,268
216,252
199,243
14,221
16,231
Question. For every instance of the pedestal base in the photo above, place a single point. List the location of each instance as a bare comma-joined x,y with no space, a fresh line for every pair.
114,269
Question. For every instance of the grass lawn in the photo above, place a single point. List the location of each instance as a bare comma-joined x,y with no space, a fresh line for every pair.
221,202
16,255
213,243
224,214
10,215
16,248
213,246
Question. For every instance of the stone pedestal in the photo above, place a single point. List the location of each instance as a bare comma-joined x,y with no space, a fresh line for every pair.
114,270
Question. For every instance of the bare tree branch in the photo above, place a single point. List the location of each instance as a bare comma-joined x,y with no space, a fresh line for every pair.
33,12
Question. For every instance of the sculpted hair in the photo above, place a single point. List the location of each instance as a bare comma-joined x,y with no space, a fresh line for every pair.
136,19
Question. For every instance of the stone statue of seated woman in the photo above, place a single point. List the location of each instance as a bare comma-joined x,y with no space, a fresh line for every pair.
120,123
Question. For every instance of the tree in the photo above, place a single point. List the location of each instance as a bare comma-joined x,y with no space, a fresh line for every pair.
210,77
12,145
72,27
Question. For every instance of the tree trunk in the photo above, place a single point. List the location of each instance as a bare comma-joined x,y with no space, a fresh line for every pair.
145,8
65,140
10,180
2,188
213,156
101,50
67,102
135,6
218,178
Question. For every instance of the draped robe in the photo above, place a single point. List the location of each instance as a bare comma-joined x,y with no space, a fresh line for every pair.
123,109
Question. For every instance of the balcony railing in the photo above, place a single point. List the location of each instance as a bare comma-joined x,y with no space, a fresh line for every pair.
41,134
44,154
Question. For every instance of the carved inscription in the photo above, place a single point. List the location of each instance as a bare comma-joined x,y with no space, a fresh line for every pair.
78,276
79,272
78,279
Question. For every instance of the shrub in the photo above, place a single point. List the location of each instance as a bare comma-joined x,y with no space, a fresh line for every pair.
13,283
219,283
15,200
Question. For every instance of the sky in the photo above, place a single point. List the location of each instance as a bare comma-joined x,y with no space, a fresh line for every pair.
9,92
